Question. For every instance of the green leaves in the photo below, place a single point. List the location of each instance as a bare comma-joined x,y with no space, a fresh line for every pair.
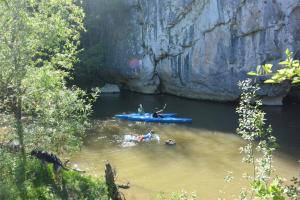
288,53
273,191
269,81
84,187
296,80
261,70
38,51
59,114
258,137
290,70
252,73
44,183
39,42
267,68
258,150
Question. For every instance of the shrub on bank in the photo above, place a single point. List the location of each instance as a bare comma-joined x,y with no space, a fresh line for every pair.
43,183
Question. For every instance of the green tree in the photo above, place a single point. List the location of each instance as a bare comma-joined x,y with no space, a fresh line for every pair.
38,46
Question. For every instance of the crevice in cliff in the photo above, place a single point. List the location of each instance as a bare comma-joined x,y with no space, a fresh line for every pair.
155,71
252,32
187,9
215,26
190,44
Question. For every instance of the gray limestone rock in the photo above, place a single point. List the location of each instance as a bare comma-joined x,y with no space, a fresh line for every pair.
198,48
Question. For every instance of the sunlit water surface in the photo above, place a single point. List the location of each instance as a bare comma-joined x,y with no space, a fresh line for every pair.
205,152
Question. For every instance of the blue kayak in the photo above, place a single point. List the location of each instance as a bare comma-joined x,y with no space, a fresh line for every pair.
149,118
126,116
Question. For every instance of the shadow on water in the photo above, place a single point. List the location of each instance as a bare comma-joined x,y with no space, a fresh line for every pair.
285,122
219,117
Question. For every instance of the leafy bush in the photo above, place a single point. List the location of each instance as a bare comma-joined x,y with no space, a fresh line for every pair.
84,187
258,150
290,70
43,183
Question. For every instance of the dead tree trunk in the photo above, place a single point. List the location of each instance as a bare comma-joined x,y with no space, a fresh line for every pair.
113,192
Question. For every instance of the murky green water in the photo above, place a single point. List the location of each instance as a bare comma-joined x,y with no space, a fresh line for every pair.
205,151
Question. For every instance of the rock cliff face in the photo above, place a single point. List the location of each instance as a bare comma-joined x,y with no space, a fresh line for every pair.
198,48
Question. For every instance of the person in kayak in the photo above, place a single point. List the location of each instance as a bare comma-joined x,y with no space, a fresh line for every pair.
141,109
156,113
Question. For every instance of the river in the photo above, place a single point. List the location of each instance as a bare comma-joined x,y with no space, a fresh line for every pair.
206,150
